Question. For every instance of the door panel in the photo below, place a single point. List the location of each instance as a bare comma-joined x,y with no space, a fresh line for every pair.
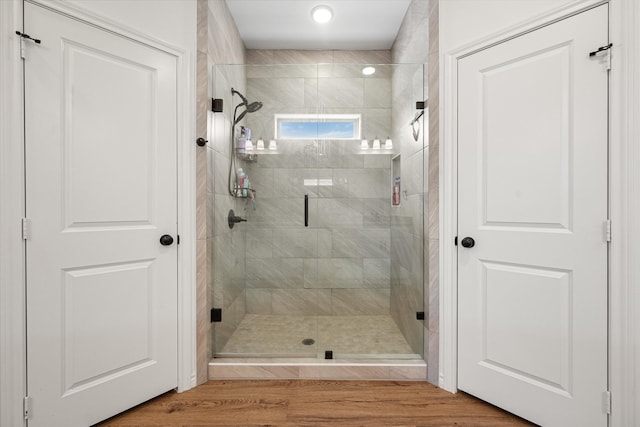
93,194
101,190
512,198
532,143
542,357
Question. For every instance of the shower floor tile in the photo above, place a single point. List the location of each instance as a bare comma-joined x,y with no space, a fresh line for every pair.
275,335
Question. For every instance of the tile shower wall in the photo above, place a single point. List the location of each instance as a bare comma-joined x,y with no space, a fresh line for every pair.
203,344
341,263
225,247
409,266
433,355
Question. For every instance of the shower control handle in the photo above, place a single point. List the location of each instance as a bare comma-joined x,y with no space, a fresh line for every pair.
468,242
232,219
306,210
166,240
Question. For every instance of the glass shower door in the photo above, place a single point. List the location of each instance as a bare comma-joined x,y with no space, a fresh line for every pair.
327,265
280,235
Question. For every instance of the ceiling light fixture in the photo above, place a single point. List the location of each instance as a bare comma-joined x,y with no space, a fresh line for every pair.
322,14
367,71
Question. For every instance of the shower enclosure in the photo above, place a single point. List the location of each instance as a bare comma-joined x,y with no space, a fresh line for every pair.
330,261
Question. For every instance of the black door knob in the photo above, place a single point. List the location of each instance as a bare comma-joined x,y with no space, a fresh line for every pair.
166,240
468,242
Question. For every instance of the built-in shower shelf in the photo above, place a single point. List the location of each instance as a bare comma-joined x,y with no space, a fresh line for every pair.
372,152
396,174
262,152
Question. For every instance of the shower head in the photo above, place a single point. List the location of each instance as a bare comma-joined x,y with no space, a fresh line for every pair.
254,106
249,108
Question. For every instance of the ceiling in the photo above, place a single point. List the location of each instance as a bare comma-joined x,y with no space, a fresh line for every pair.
287,24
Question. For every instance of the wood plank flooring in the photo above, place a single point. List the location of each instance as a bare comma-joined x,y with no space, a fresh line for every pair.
314,403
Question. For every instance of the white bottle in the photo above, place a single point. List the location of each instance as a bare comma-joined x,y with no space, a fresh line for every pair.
242,140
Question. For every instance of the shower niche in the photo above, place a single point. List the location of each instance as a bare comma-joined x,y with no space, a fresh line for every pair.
325,266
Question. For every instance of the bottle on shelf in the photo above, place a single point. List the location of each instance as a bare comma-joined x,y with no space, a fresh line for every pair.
242,140
241,177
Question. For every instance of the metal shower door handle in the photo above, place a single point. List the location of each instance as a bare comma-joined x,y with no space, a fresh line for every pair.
306,210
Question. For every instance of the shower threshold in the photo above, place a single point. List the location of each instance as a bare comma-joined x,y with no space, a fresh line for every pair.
317,369
288,347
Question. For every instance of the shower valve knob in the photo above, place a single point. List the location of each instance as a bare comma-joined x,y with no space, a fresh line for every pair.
233,219
166,240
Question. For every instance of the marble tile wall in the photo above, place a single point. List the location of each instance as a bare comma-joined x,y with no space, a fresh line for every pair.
225,248
410,269
341,263
203,343
433,202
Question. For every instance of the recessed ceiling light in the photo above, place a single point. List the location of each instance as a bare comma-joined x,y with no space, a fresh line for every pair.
322,14
367,71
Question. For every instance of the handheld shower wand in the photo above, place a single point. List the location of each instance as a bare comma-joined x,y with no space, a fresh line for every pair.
248,108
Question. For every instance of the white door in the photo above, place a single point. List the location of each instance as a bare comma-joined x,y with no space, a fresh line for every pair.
101,191
532,292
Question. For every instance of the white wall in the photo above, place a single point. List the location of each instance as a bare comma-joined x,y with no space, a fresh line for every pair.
466,21
170,21
12,323
624,144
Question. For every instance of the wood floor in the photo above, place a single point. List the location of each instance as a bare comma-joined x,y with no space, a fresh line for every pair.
314,403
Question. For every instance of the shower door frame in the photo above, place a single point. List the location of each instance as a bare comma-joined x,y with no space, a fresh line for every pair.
360,131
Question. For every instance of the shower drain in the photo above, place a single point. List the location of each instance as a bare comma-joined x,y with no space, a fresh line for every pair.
308,341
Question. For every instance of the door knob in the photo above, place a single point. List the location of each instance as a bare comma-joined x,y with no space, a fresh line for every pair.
468,242
166,240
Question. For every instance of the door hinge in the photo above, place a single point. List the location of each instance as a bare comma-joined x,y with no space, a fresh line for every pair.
607,230
601,49
24,37
607,54
27,404
455,241
26,229
178,239
22,54
606,402
216,315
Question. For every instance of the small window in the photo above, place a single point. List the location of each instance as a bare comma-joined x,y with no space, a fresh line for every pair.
317,126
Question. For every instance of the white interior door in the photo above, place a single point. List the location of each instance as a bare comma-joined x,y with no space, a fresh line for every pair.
532,292
101,191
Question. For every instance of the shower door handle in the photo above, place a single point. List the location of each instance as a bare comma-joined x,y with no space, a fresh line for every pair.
306,210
